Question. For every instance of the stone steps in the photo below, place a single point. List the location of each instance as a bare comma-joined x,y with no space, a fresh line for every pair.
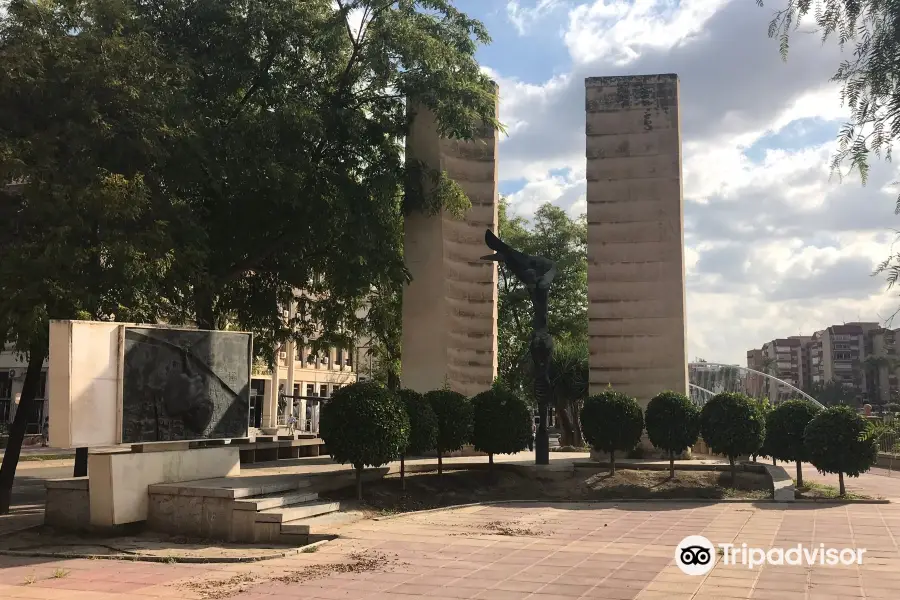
309,508
321,525
273,501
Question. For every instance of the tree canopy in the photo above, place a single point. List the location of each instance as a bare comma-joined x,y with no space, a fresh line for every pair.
868,78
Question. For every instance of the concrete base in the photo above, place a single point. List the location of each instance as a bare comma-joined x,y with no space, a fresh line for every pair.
119,481
68,504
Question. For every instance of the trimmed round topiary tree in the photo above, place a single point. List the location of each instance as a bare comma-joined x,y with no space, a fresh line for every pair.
612,421
454,421
732,424
364,425
501,422
422,428
673,424
785,427
838,441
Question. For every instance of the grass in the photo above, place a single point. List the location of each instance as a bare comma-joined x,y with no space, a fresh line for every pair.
812,489
43,457
59,573
310,549
29,579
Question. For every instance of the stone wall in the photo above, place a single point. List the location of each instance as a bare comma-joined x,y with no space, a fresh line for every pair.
636,294
450,307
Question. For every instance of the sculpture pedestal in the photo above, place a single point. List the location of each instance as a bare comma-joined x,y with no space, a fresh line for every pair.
119,479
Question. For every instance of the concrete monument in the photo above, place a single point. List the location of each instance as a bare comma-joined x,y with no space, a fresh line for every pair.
636,294
450,307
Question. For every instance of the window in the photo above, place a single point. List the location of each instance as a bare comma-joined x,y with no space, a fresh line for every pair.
324,360
296,389
310,389
323,390
841,346
842,356
340,358
311,359
349,359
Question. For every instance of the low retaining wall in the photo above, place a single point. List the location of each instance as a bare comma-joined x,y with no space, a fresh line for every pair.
68,504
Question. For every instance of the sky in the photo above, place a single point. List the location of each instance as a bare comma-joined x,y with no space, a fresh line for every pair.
775,245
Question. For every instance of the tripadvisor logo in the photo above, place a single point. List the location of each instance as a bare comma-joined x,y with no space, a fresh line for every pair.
696,555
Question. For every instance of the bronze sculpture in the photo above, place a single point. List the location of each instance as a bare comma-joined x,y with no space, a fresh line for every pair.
536,273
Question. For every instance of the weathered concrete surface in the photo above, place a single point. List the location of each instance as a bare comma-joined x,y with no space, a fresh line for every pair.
68,504
635,219
450,307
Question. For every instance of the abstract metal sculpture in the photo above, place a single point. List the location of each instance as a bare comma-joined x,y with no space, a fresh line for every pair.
536,273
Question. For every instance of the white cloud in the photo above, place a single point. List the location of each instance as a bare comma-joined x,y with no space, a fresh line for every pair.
773,247
523,18
617,31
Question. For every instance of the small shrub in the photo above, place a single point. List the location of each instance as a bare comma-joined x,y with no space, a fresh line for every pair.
612,421
454,421
501,422
732,424
785,427
673,424
893,408
838,440
422,428
364,424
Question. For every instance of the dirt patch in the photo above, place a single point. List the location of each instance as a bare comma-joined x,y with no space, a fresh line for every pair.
358,562
428,490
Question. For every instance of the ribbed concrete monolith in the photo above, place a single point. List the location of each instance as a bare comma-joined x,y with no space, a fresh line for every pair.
450,308
635,219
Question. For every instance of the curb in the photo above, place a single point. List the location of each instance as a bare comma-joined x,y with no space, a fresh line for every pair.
153,558
617,501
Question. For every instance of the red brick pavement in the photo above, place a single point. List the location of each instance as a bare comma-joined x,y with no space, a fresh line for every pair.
538,552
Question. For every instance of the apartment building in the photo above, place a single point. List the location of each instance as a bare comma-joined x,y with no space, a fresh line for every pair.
838,353
882,367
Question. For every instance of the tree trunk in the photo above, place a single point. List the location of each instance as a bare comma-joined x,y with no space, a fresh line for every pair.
403,472
579,438
204,309
81,460
799,474
567,438
774,462
490,463
733,471
359,473
440,463
17,432
612,462
671,464
393,381
841,481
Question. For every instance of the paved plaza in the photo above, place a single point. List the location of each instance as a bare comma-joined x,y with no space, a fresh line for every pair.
534,551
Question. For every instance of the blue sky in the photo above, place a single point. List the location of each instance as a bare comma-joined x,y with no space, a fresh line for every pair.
774,243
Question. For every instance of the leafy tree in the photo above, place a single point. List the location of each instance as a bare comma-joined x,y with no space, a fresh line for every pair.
364,424
832,393
732,424
83,236
868,79
673,424
501,422
838,440
785,429
612,421
551,233
422,428
454,421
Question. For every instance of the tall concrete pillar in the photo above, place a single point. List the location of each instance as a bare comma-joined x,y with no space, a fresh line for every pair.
635,213
450,307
